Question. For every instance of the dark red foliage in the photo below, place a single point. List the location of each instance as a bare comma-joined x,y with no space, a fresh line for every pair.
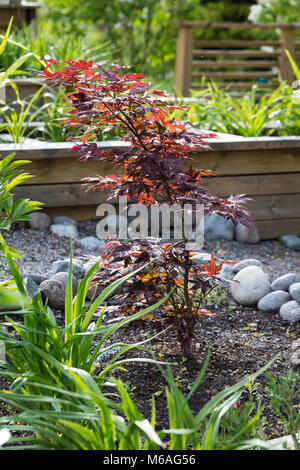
157,165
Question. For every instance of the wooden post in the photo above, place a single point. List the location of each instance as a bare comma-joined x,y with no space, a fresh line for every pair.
184,57
287,42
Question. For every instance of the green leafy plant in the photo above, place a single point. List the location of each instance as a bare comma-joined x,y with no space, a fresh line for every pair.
12,210
17,121
275,11
13,67
284,394
246,416
55,108
248,116
82,417
43,41
70,344
290,112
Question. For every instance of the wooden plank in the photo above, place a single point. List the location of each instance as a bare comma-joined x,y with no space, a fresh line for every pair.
248,162
222,24
236,63
79,213
61,195
73,194
26,89
235,75
65,170
54,150
273,229
275,206
253,185
233,53
237,86
238,43
57,150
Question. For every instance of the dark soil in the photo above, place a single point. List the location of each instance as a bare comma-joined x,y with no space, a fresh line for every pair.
241,340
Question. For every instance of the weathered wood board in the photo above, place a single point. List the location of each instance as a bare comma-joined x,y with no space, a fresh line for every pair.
265,169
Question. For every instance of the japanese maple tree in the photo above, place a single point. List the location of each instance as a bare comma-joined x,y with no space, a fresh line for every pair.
157,165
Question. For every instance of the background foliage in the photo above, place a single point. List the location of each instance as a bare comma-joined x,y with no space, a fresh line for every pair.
141,32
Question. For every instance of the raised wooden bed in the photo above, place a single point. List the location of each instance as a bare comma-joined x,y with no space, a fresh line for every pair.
266,169
27,87
23,12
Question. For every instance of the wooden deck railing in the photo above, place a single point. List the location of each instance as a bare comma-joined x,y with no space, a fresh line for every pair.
234,64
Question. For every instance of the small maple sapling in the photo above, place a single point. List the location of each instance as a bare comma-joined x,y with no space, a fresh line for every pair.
157,165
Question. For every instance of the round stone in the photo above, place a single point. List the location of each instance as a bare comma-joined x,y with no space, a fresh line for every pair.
245,234
36,277
226,271
91,243
64,230
252,283
54,289
290,312
202,258
64,266
291,241
247,262
294,290
62,219
273,301
295,356
89,264
31,287
284,282
217,227
39,221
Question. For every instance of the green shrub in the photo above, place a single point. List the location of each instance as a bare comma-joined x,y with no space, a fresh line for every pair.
82,417
12,210
249,116
284,394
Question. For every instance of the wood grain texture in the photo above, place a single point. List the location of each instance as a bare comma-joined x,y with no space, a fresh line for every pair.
236,86
249,162
254,185
266,169
242,53
228,24
241,43
61,195
184,57
235,75
276,206
273,229
235,63
245,162
79,213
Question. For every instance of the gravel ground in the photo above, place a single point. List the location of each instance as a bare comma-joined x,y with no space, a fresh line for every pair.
241,339
40,249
